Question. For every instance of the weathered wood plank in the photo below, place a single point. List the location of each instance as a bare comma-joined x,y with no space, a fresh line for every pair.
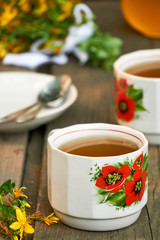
154,191
31,177
33,166
7,68
94,89
12,156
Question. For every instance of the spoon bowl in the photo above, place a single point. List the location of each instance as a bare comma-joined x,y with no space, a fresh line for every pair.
55,89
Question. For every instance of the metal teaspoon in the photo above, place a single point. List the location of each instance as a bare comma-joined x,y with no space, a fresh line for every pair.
53,94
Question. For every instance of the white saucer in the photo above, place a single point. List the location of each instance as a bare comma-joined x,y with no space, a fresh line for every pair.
19,90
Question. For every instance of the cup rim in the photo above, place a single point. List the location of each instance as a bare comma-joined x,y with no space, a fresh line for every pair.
123,129
130,55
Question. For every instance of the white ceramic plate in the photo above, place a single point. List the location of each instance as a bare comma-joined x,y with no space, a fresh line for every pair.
19,90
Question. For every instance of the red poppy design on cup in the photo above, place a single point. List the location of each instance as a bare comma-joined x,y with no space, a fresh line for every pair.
122,84
113,179
128,100
138,162
134,189
125,106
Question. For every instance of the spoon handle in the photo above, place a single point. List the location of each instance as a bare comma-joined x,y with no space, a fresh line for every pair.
30,114
13,116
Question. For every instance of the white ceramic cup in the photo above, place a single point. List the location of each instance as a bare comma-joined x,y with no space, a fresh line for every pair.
97,193
137,98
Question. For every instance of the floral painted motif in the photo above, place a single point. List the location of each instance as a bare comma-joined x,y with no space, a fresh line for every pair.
113,179
125,107
135,188
123,184
138,162
122,84
128,100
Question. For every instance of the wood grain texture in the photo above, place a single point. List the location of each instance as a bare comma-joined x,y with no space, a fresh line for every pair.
12,156
23,155
153,205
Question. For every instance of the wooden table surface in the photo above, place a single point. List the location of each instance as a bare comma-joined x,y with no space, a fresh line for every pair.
23,155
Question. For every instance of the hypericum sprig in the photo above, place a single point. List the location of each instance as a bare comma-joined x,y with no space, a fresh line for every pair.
14,221
24,21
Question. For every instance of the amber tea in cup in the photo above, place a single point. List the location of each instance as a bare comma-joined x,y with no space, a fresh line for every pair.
99,146
148,70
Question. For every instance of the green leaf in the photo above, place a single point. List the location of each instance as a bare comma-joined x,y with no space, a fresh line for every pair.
103,192
140,107
145,163
116,199
118,165
6,187
130,176
102,49
5,211
135,94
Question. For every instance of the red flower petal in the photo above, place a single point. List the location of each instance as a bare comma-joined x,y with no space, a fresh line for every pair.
124,171
122,84
140,195
133,194
131,198
129,106
141,158
100,182
129,187
144,175
137,175
108,170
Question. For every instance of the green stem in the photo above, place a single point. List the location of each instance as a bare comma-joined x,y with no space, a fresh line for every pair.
1,200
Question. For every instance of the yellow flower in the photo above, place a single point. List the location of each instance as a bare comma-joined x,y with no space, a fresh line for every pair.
8,14
25,5
42,7
67,9
15,238
51,219
22,224
27,204
19,193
